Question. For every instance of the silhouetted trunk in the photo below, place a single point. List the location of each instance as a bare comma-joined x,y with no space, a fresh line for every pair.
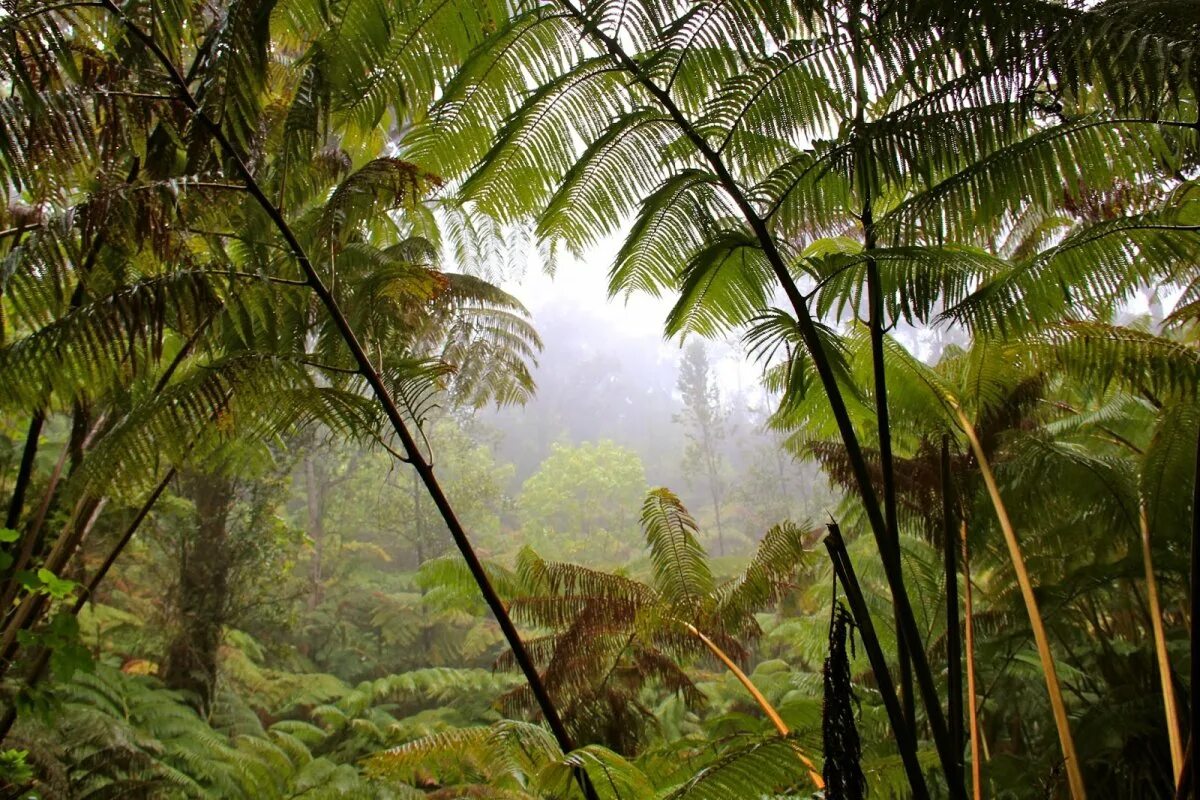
315,496
202,599
906,741
1194,615
954,677
25,472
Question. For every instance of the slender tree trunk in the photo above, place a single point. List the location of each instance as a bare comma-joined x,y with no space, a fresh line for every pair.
972,689
203,593
906,740
315,497
1053,688
954,703
1160,648
716,501
25,471
875,324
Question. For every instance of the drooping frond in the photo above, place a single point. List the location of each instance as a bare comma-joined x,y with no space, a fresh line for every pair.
681,572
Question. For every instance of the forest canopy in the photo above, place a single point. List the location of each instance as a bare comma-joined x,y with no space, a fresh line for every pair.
301,500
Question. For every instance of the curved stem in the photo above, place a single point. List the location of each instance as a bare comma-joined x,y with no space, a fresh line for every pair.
759,698
1053,688
1160,649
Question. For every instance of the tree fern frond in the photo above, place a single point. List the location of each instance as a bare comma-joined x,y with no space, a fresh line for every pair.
681,572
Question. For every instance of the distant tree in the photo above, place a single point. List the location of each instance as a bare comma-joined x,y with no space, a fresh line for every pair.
584,500
704,420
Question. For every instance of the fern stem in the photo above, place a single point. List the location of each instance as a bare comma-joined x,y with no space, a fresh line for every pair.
1194,616
759,698
25,472
954,701
375,381
906,741
812,340
1160,648
875,314
972,703
1053,688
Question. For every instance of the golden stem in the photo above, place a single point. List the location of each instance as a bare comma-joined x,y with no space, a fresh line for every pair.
762,701
973,707
1059,708
1160,647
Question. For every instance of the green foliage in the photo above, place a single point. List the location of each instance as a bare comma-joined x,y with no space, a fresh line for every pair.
584,497
845,187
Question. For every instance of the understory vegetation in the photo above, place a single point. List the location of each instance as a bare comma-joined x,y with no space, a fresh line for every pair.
302,501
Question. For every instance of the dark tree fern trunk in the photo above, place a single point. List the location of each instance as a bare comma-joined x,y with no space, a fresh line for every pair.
844,779
202,602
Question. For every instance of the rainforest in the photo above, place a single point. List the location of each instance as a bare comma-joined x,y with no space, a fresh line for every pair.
599,399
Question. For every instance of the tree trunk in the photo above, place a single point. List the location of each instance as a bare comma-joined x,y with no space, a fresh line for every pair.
314,493
203,593
25,471
954,703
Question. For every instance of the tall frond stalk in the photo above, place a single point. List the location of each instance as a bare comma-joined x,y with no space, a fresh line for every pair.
759,698
374,380
1184,789
954,701
1053,688
1193,616
972,689
909,630
25,471
1170,709
906,741
875,324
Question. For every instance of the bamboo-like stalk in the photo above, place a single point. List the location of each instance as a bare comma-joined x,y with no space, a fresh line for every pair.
1053,688
972,703
373,379
759,698
1160,648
